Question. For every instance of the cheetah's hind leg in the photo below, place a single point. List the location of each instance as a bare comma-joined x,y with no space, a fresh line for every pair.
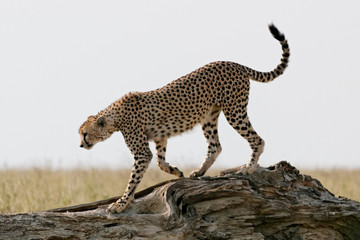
209,126
160,145
240,122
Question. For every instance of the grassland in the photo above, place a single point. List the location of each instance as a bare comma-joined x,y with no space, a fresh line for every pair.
38,189
345,183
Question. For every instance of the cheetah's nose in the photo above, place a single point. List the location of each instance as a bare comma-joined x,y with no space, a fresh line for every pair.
81,145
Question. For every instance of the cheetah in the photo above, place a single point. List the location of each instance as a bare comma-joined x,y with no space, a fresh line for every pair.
196,98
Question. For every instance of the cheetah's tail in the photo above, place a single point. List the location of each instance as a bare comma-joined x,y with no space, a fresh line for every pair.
269,76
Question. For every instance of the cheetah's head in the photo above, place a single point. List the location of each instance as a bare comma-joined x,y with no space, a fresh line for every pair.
93,130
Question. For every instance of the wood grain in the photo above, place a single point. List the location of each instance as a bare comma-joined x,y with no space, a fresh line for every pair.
273,203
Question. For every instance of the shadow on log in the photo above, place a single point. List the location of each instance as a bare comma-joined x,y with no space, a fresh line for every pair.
272,203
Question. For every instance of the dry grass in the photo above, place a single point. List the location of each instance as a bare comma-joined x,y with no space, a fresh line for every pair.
39,189
340,182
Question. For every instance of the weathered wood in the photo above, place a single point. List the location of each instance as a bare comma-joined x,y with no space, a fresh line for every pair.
272,203
95,205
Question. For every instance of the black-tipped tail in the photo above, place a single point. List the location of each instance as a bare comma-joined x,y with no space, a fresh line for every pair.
276,33
269,76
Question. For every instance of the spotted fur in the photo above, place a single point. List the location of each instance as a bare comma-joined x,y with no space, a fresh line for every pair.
198,97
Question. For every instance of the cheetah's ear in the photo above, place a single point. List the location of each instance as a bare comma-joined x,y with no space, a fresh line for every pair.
101,121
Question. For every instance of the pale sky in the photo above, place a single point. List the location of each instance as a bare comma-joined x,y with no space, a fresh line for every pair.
61,61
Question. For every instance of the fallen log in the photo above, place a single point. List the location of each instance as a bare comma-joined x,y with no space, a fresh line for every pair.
272,203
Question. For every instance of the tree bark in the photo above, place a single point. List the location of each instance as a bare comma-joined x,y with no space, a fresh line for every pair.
272,203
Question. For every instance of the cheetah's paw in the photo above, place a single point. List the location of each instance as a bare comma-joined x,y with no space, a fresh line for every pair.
194,174
231,171
243,170
116,207
178,173
246,169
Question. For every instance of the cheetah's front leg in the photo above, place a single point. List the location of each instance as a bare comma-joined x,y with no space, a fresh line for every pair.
138,170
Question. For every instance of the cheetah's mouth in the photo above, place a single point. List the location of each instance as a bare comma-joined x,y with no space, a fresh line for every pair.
88,145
